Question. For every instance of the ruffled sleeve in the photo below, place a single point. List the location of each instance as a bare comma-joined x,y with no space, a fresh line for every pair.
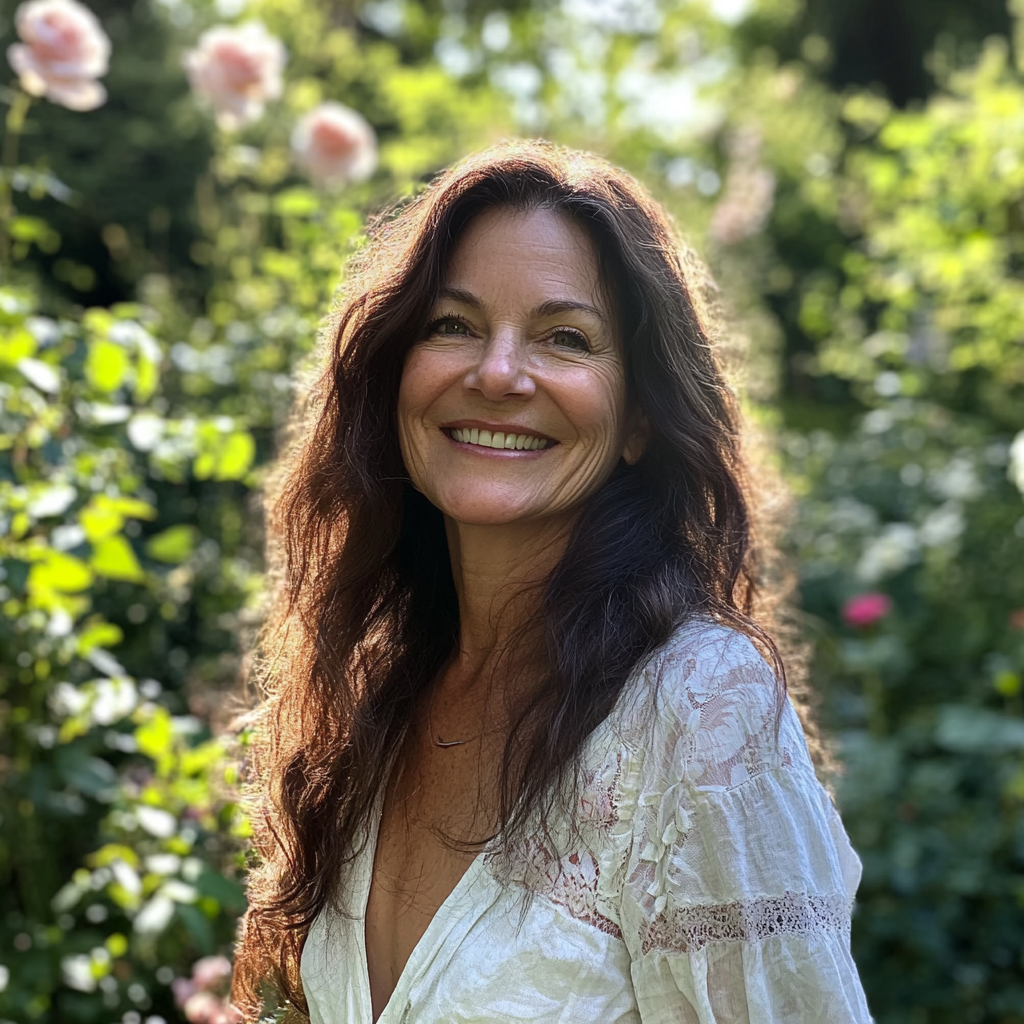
735,903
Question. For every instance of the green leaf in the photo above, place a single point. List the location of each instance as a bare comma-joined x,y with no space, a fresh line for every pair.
98,633
174,544
155,738
15,345
226,456
198,925
29,229
114,558
235,457
60,572
106,365
296,202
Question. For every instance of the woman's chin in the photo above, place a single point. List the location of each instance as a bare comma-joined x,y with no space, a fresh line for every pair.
495,510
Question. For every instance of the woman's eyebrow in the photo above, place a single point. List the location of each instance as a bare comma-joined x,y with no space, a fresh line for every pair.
550,308
555,306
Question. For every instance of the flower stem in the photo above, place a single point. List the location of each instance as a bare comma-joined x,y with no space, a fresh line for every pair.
14,123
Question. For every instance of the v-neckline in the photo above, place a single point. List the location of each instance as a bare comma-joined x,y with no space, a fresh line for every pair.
430,937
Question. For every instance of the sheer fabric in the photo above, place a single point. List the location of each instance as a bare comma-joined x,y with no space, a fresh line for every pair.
706,878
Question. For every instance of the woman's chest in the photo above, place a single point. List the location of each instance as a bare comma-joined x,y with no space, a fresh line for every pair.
439,806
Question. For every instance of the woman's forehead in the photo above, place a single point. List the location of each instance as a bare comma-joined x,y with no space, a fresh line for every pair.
538,252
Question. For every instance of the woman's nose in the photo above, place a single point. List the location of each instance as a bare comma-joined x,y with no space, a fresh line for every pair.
503,367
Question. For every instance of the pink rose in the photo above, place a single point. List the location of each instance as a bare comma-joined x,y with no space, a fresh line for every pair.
183,989
63,50
236,70
206,1008
335,145
866,609
1017,618
211,972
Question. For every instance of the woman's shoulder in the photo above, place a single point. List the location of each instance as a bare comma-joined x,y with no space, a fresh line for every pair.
709,699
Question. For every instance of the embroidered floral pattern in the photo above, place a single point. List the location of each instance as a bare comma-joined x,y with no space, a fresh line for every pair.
719,722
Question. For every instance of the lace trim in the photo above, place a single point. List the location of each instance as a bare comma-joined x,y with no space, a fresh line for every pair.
689,929
571,882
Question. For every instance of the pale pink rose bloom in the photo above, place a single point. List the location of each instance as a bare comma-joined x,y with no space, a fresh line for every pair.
206,1008
211,972
183,989
866,609
335,145
237,70
63,50
203,1008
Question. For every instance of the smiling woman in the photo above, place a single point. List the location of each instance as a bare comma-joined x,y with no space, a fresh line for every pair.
525,751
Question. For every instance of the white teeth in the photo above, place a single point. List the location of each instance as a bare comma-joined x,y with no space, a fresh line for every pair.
498,439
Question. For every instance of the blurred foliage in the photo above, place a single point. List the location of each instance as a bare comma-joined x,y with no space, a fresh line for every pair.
168,280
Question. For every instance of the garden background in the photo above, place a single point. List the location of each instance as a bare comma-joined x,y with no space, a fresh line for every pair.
853,170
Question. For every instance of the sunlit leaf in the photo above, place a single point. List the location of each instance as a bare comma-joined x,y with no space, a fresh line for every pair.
98,634
15,345
106,365
174,544
60,572
114,558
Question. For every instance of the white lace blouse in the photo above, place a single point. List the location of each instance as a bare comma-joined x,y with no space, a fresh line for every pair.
710,880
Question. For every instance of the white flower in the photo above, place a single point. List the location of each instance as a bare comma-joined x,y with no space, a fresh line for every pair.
77,971
237,70
335,145
888,553
53,501
41,375
63,50
156,821
155,916
145,430
942,525
1015,469
957,480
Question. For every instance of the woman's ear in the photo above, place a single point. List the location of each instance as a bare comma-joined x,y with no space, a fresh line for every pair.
638,433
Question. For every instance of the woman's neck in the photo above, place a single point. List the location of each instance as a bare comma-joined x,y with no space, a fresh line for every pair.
500,573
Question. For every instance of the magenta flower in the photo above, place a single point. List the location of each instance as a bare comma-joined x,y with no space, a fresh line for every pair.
866,609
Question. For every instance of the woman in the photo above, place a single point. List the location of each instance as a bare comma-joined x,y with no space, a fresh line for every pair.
525,754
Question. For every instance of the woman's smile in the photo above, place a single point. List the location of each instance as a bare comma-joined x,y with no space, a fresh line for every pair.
513,404
488,439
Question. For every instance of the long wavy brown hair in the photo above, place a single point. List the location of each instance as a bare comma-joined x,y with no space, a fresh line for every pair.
363,612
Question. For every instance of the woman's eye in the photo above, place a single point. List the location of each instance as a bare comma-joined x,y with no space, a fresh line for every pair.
447,325
571,339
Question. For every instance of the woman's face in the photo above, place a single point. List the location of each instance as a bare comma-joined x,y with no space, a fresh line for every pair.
512,407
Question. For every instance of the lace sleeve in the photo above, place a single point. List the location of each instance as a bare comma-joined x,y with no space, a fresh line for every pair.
736,901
